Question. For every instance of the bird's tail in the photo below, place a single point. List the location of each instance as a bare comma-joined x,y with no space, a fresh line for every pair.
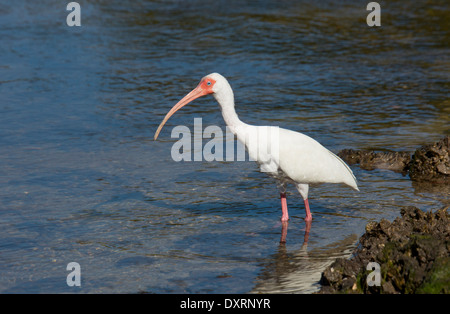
352,182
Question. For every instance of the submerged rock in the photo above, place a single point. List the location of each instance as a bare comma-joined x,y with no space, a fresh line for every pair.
412,252
370,160
429,163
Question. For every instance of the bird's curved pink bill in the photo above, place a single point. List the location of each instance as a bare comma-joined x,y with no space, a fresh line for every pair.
201,90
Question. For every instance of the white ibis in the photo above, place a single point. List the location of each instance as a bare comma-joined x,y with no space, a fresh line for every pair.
288,156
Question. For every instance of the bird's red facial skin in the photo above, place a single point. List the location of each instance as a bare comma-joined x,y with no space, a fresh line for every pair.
207,85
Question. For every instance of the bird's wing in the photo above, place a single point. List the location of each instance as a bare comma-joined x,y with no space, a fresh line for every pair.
305,160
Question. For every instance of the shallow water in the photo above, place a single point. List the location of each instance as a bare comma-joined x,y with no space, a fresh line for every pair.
83,181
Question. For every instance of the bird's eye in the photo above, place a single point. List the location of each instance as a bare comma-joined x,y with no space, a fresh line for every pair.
208,83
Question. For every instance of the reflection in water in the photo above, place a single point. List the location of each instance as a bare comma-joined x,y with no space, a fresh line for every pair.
300,271
440,192
284,230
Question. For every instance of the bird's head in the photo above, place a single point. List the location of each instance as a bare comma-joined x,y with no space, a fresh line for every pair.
210,84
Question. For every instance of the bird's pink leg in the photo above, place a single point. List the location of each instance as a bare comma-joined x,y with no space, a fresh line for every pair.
284,209
308,212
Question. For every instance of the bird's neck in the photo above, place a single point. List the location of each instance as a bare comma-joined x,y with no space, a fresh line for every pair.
225,98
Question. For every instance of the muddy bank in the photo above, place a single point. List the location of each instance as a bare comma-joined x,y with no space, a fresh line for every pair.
412,252
429,163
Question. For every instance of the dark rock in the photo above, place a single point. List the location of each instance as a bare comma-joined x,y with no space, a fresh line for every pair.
341,275
429,163
432,162
413,253
369,160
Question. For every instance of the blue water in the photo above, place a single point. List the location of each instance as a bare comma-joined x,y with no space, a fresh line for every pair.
81,179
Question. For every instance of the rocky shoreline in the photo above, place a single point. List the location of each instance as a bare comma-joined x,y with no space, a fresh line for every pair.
413,251
430,163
